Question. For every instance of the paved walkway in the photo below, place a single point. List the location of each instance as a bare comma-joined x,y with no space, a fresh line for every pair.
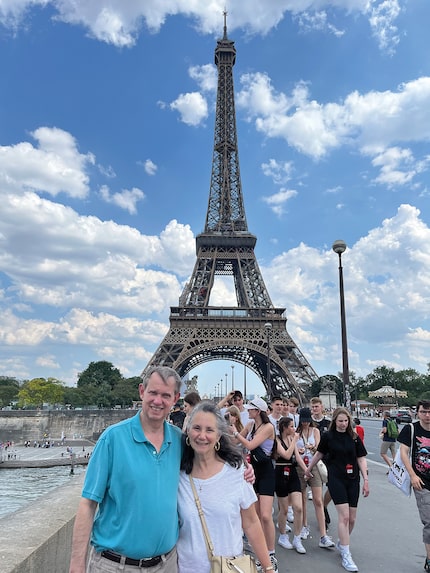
21,457
387,536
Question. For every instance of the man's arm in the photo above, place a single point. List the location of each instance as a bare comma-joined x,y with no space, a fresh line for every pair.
225,400
81,534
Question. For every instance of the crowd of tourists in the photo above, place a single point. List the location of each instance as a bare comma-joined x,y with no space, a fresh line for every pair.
214,480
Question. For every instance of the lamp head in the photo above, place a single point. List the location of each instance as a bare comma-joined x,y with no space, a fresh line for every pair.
339,247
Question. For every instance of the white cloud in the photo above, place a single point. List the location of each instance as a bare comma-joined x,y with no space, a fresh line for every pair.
55,166
278,200
205,76
311,21
119,23
150,167
382,16
47,361
192,107
387,291
390,161
56,257
127,199
108,171
372,123
279,172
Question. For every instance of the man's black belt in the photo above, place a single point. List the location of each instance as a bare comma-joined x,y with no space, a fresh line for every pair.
150,562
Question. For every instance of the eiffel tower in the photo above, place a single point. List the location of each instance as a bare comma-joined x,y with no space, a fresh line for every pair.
254,332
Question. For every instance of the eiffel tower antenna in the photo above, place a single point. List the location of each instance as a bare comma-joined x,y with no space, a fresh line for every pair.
254,332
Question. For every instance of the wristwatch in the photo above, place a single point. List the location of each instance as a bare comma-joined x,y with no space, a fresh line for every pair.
235,434
270,568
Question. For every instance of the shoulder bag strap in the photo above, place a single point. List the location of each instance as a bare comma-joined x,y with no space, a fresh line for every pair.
209,545
412,425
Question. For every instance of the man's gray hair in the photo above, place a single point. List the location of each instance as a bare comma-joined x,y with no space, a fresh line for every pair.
165,372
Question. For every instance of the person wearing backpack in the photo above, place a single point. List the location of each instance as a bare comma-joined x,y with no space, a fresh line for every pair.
389,436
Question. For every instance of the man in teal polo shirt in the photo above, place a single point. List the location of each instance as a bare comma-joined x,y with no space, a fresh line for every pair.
133,478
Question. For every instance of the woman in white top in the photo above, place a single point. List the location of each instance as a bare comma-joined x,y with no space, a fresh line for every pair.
260,441
228,501
309,438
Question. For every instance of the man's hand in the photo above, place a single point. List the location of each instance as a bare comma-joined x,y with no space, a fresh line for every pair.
417,482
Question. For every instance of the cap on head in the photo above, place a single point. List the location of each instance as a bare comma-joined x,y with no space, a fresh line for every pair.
257,404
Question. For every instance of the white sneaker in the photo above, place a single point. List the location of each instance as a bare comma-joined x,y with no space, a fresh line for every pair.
326,542
290,515
347,562
287,527
298,545
284,541
310,494
304,534
274,562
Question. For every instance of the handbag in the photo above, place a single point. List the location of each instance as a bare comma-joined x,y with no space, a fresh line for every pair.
220,564
398,474
322,468
258,455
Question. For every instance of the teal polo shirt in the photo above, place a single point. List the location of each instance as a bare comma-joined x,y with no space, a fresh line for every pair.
136,488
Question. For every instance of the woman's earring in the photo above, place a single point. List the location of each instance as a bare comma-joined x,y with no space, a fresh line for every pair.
217,446
187,441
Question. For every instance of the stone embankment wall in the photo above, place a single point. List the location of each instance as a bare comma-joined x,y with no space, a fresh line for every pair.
38,538
19,426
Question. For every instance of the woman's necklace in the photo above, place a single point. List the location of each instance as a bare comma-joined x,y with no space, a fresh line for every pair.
199,483
306,438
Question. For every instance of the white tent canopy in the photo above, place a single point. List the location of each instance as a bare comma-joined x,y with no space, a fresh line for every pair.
388,392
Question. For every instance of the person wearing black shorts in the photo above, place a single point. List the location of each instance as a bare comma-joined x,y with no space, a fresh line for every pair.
287,484
345,462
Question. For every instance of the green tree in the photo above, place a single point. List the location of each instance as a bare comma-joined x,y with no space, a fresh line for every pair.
40,391
99,373
380,376
9,388
126,391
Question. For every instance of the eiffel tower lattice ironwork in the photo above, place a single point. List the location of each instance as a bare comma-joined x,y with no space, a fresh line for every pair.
254,332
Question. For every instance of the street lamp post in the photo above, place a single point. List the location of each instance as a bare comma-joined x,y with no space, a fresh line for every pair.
244,382
226,387
339,247
232,377
268,327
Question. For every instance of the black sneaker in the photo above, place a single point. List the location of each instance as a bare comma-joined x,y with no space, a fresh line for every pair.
427,564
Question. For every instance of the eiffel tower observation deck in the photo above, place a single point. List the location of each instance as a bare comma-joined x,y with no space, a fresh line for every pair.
253,332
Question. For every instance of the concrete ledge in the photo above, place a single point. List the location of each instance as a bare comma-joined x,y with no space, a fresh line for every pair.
38,537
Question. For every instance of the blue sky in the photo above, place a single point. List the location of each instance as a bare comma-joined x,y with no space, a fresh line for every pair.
106,135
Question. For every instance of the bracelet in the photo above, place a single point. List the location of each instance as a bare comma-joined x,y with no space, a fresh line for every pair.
270,568
365,479
235,434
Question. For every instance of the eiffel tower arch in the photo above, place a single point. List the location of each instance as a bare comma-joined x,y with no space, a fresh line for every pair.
254,332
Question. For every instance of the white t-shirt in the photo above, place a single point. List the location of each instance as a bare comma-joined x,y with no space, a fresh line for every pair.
222,497
275,423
